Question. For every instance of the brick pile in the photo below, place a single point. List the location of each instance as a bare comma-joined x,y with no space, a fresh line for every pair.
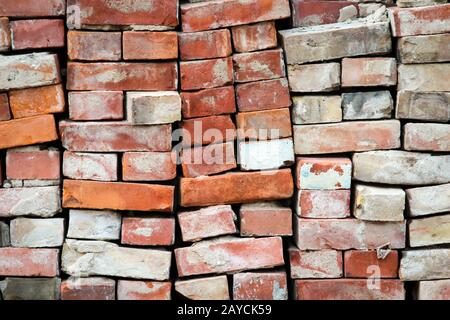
226,149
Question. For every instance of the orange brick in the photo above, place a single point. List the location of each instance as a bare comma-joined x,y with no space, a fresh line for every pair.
254,37
24,262
26,8
32,164
264,125
207,130
37,101
117,196
148,231
149,166
265,219
37,34
143,290
4,107
366,264
205,45
261,65
150,45
92,45
208,102
203,74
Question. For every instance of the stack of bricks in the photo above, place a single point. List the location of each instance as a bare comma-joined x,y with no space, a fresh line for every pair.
31,92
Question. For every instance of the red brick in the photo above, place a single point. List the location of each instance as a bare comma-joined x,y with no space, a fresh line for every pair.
265,219
226,13
205,74
229,254
207,222
208,130
149,166
323,173
123,13
26,8
27,131
122,76
92,46
205,45
261,65
263,95
96,105
361,264
24,262
4,107
148,231
36,34
88,289
264,125
254,37
236,187
32,164
211,159
150,45
260,286
143,290
368,72
90,166
311,13
348,289
37,101
315,264
323,203
208,102
114,136
5,34
422,20
344,234
117,196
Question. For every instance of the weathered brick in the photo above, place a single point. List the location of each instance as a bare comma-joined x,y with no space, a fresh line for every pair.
418,3
429,231
205,45
35,233
265,219
316,109
367,264
347,136
369,72
95,225
266,155
117,196
133,13
434,290
261,65
148,166
433,106
204,74
229,254
30,163
5,113
427,264
4,235
367,105
423,49
428,200
25,8
207,160
94,288
36,69
323,203
213,288
258,36
92,45
149,45
25,262
348,289
114,136
263,95
264,125
401,167
208,102
236,187
315,264
379,203
96,105
427,137
323,173
208,130
35,201
424,77
227,13
108,259
344,234
260,286
37,34
90,166
312,13
5,34
318,77
153,107
418,21
30,289
148,231
342,39
207,222
143,290
122,76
